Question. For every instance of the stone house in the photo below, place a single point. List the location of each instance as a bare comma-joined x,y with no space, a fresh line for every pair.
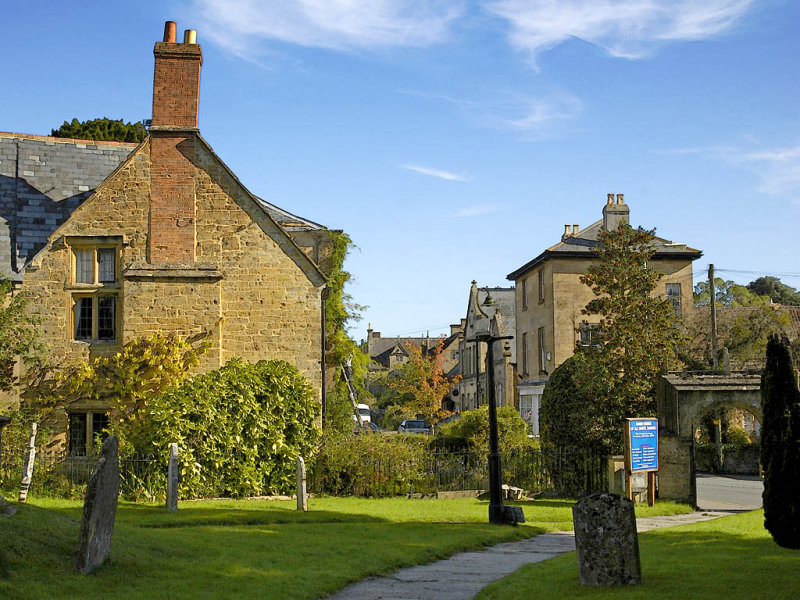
116,241
550,298
497,305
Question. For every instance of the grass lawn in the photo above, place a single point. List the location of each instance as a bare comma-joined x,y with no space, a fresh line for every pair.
251,548
733,557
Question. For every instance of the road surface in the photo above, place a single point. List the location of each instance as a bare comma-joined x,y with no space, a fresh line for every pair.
731,492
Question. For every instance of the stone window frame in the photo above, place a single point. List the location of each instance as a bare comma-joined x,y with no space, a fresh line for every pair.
541,339
541,286
524,292
88,420
673,293
96,289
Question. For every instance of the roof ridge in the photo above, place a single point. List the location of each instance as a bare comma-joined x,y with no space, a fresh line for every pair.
50,138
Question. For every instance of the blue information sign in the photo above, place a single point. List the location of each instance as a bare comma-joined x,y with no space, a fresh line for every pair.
643,444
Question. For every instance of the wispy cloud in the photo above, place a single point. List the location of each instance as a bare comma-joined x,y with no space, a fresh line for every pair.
534,118
243,26
624,28
777,167
438,173
478,209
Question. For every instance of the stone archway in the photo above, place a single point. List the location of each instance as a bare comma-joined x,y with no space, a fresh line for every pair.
683,398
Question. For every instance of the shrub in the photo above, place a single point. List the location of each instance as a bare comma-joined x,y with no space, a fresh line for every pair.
737,438
471,431
370,464
239,429
780,445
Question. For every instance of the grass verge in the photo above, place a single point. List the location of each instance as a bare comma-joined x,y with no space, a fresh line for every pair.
245,549
732,558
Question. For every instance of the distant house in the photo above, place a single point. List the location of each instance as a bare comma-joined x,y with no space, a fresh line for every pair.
550,299
497,305
116,241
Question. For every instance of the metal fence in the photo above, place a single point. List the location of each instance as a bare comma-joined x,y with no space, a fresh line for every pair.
59,474
555,472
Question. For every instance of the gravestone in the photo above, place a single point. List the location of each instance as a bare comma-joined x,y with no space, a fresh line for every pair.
27,470
99,510
302,494
606,540
172,479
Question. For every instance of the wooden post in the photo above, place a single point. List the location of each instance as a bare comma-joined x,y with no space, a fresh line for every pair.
651,488
302,495
27,473
172,479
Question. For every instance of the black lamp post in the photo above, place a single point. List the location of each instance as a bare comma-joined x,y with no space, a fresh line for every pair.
498,513
3,422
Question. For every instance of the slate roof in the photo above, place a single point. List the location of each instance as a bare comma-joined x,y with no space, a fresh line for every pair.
695,381
44,179
584,244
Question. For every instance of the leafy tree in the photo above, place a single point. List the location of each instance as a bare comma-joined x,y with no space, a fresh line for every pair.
728,293
780,445
422,384
340,310
773,287
101,129
638,333
19,338
127,381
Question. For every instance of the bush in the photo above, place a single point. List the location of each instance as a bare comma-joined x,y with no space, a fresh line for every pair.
239,429
471,431
737,438
780,445
369,464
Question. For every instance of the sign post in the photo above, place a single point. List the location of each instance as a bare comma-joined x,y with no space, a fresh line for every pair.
641,454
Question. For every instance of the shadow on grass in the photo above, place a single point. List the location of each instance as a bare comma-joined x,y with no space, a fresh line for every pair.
732,558
310,555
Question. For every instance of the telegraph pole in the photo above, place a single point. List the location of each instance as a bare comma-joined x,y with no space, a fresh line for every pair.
713,294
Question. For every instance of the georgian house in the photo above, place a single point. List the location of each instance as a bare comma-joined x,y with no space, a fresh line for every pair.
550,299
116,241
497,305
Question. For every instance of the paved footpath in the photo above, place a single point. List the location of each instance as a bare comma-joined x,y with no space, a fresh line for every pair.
462,576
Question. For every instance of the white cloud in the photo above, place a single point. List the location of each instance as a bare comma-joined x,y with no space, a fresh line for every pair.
625,28
478,209
446,175
534,118
241,26
777,167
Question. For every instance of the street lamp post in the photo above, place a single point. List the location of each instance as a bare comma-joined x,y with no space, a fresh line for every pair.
498,513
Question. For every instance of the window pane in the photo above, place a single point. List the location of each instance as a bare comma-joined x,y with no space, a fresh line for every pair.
99,423
106,317
77,434
83,318
84,266
106,265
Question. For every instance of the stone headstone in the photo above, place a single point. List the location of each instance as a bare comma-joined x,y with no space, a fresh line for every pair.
302,494
172,479
99,510
606,540
27,469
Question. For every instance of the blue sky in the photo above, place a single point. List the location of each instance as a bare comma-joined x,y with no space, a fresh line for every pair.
453,139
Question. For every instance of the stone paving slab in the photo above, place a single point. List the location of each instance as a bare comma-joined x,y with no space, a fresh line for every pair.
463,575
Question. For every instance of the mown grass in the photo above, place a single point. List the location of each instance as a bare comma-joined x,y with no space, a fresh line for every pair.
252,548
732,558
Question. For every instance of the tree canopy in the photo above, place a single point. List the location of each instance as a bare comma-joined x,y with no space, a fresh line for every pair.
105,129
728,293
638,333
773,287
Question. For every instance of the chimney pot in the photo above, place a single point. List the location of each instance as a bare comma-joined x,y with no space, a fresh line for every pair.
575,229
190,36
610,199
170,32
620,199
567,232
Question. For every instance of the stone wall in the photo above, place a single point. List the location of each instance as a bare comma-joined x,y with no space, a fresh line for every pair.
252,289
676,470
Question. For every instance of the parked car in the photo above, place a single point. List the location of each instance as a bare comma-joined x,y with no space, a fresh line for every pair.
414,426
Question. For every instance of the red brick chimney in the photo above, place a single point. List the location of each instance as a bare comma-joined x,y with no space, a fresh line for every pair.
176,90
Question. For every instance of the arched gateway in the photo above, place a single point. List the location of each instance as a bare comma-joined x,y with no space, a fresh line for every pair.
683,398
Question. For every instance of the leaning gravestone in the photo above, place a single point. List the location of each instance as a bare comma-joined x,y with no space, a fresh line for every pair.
99,510
606,540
